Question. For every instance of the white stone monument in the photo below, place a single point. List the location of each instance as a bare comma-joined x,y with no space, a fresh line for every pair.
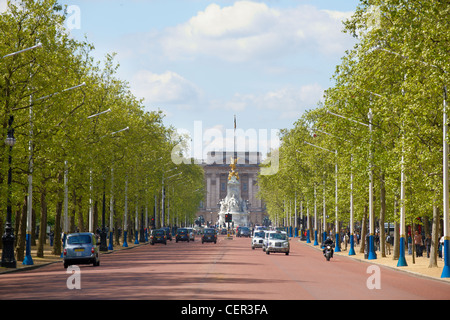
233,202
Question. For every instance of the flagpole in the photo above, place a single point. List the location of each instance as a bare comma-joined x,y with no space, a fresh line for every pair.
234,139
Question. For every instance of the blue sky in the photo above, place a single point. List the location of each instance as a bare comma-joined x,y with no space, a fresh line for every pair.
202,62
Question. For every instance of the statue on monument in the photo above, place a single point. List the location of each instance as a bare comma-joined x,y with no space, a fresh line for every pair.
233,172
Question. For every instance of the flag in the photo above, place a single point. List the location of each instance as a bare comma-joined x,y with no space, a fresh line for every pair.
234,121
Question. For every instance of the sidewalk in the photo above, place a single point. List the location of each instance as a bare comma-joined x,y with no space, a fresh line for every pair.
50,258
420,267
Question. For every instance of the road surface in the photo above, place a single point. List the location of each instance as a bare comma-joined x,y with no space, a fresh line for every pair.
228,270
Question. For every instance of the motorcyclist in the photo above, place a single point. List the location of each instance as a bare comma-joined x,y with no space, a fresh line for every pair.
330,242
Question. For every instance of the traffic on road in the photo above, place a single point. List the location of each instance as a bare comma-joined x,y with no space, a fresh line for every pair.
216,267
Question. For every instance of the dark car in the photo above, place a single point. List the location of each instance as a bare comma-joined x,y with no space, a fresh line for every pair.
243,232
168,233
209,235
182,235
158,236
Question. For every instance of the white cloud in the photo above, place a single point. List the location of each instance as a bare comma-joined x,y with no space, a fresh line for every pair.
168,87
248,30
288,102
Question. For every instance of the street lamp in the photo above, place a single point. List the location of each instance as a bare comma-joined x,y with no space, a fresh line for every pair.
351,251
28,260
8,259
39,45
91,209
10,140
163,194
337,248
125,216
445,178
371,255
103,246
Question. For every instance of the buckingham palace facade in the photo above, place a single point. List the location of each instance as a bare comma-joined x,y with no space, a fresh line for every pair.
216,168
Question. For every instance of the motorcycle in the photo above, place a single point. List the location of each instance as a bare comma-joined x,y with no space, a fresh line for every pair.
328,252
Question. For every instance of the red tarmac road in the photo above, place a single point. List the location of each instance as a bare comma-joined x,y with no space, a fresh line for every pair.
226,270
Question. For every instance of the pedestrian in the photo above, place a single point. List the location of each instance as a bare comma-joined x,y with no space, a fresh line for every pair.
428,244
345,241
417,243
409,244
388,244
377,241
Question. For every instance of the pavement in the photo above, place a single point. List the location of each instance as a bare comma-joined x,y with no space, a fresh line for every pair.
418,267
51,258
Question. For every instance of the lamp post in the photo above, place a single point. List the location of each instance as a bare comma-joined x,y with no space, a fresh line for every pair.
446,269
111,212
10,141
371,255
28,259
91,209
163,194
39,45
445,182
8,259
136,222
351,251
125,216
316,242
337,248
103,246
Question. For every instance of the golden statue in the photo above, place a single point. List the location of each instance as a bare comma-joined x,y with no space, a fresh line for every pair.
233,171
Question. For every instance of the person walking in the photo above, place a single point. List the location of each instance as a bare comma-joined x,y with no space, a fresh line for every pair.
388,244
418,243
409,244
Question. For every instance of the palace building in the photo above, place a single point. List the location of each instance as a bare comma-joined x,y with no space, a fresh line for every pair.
216,167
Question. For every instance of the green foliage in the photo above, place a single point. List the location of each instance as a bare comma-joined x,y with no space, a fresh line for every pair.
33,88
397,70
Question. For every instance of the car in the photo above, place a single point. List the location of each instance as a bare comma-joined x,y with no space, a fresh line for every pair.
209,235
158,236
182,235
223,231
278,241
81,248
257,240
243,232
266,238
259,228
168,233
191,234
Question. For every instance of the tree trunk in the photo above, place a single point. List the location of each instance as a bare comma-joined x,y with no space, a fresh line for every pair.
59,206
117,224
21,232
43,224
434,238
95,224
382,215
2,227
363,231
79,205
57,232
33,227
